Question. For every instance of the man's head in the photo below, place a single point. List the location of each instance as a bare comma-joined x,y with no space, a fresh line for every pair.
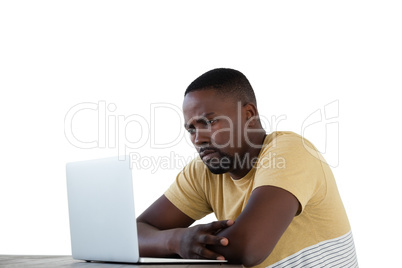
225,82
221,116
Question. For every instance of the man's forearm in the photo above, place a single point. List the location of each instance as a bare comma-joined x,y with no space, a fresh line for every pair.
187,242
156,243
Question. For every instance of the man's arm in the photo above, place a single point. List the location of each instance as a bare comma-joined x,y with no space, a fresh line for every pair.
163,231
259,227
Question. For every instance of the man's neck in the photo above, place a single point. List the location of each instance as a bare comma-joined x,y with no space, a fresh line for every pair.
247,161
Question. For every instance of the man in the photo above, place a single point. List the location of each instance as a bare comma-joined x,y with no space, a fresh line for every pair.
274,195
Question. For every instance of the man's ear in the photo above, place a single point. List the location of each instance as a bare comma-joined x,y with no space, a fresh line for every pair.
251,114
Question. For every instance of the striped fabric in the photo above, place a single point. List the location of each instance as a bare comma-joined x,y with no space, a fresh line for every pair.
337,252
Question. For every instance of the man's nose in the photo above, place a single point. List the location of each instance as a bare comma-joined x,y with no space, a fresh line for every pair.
202,136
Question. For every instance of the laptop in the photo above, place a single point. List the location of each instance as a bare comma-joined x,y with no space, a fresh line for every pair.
102,215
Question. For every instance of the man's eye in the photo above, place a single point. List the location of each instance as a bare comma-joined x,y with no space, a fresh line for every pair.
191,130
210,122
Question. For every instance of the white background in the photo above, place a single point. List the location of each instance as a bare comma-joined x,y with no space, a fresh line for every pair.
300,56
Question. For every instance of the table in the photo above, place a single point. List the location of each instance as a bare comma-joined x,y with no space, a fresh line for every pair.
37,261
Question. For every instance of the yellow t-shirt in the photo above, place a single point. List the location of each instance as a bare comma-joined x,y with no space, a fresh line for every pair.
319,236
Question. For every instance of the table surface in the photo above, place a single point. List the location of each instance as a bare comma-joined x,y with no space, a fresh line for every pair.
67,261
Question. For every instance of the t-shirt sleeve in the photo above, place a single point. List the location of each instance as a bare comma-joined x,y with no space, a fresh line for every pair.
292,163
187,192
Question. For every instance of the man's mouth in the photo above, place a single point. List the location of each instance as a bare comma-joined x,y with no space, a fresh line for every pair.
207,154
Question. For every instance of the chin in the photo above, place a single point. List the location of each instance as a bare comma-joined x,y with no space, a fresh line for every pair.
217,170
219,166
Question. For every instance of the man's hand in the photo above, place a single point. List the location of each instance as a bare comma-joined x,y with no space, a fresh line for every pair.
163,231
193,241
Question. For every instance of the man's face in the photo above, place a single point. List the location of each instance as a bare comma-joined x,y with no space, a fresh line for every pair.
216,125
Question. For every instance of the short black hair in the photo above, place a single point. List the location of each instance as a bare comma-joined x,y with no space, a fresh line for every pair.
227,82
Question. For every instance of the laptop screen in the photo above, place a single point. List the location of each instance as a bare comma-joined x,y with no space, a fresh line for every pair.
101,210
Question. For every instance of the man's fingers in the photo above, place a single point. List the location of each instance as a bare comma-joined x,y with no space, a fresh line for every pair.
229,222
208,239
205,253
198,238
224,241
218,225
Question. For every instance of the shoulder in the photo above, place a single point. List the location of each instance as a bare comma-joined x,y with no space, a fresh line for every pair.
285,138
290,162
286,146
